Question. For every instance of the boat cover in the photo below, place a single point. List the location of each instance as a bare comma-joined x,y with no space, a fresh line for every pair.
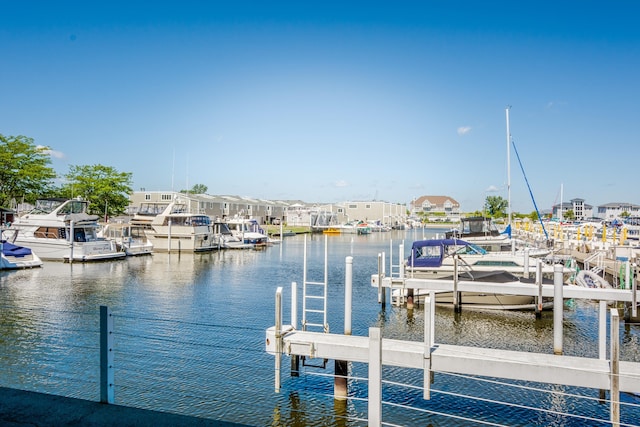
9,249
429,253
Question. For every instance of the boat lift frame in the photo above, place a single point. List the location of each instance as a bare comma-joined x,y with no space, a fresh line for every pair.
602,373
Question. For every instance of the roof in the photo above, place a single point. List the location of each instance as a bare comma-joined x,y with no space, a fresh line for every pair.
435,200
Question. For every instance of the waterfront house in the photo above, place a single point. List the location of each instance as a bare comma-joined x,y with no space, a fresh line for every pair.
436,208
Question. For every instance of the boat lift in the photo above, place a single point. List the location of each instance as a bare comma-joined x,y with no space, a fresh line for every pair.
605,374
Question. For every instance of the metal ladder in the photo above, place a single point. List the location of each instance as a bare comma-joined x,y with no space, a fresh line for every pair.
314,296
314,301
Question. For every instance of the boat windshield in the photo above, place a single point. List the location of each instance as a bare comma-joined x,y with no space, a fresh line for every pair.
471,249
189,221
73,207
152,208
46,206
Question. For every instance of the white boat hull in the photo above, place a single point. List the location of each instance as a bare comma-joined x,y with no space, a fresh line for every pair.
62,250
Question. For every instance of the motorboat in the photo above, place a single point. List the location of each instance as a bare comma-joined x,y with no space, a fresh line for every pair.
14,257
178,229
438,257
226,239
62,230
492,299
248,231
482,231
129,237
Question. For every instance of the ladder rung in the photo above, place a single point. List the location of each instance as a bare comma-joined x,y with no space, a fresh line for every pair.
314,297
315,283
308,310
315,324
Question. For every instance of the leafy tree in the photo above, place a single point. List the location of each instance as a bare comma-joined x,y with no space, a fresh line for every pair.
25,170
625,214
569,215
533,216
495,206
196,189
106,189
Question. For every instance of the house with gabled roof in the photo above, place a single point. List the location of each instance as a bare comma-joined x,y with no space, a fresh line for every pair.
443,208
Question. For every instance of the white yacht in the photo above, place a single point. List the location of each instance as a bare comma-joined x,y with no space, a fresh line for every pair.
177,229
130,238
62,230
248,231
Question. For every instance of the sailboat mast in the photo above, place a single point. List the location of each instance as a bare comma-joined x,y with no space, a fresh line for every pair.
508,166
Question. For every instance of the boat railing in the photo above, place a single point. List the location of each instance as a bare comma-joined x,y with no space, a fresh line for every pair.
595,261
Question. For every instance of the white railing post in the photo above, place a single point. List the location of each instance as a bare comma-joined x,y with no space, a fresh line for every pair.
106,356
602,329
558,306
634,293
428,340
294,305
375,378
615,368
401,263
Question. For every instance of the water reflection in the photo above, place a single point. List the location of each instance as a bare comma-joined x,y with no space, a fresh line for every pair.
190,337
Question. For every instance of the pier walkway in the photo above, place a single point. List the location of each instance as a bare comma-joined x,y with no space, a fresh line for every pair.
20,408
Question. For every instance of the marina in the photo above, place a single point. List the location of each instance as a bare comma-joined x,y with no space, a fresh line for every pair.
189,338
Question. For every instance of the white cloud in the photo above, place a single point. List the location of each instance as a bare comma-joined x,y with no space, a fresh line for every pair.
52,153
491,189
463,130
341,183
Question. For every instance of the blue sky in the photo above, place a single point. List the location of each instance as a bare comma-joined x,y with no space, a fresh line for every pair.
333,101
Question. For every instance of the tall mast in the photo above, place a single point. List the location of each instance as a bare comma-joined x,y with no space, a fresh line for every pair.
508,165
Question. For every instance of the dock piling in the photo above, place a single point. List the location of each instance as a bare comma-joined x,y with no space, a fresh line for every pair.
340,389
295,359
278,337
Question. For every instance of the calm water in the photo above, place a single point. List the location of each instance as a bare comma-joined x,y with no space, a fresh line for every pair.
190,330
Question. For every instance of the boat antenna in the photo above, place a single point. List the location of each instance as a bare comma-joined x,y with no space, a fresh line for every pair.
508,166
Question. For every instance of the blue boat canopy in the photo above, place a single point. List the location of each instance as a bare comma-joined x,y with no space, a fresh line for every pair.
9,249
430,253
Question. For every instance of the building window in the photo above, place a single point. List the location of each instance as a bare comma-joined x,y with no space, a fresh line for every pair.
367,206
165,197
147,196
353,207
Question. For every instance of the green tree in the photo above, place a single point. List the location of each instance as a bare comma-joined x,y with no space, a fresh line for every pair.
495,206
25,170
533,216
106,189
569,215
196,189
